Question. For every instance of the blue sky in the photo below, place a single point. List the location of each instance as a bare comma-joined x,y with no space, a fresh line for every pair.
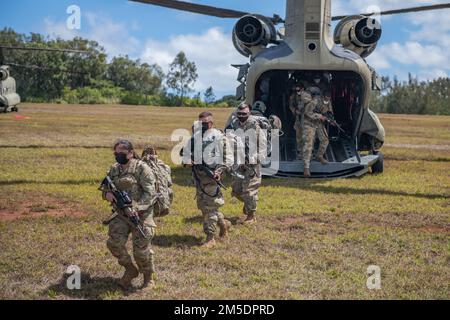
416,43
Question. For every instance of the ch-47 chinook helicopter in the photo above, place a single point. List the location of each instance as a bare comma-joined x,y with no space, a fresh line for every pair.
302,50
9,98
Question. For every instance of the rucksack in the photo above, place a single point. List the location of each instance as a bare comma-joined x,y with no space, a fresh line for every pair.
163,185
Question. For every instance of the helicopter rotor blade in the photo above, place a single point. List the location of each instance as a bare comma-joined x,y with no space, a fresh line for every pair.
42,49
405,10
33,67
196,8
203,9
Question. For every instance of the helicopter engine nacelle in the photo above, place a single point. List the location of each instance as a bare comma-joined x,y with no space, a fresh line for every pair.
359,34
4,73
252,32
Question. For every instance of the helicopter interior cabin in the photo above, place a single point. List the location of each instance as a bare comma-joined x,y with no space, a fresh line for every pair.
275,87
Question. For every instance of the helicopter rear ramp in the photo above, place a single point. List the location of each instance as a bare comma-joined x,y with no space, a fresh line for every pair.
352,167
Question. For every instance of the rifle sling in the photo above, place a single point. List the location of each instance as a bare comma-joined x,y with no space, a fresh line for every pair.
197,180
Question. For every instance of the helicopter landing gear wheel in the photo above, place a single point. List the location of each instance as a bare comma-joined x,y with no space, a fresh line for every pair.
378,167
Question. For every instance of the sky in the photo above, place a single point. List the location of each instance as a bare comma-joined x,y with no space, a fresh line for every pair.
417,43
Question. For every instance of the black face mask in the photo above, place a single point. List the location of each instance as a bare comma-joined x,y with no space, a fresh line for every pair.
243,117
205,127
121,158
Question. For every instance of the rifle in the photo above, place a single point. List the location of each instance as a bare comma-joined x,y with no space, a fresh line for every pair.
330,119
209,173
123,203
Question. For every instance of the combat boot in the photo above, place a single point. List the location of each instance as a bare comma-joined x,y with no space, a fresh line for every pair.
322,160
307,173
224,226
250,219
131,272
148,280
210,242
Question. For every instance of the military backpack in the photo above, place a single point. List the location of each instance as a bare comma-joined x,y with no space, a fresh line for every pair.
163,185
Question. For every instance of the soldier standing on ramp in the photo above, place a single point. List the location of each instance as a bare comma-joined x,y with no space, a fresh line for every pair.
313,124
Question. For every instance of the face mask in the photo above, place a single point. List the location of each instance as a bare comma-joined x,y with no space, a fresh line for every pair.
317,81
205,127
243,117
326,101
121,158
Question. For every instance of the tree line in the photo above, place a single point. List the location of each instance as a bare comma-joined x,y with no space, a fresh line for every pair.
90,78
87,78
413,96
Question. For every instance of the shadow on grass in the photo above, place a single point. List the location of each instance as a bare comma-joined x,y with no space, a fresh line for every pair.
181,177
193,220
175,240
199,220
92,288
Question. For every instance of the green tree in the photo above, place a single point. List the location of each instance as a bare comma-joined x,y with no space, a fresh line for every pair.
209,95
182,76
131,75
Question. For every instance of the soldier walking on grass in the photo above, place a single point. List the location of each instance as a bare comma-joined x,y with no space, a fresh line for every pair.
246,189
208,164
134,177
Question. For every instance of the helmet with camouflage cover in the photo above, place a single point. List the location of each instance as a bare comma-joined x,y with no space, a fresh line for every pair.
259,106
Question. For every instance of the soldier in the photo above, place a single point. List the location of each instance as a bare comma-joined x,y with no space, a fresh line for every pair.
136,178
314,121
207,175
325,107
297,108
320,84
246,189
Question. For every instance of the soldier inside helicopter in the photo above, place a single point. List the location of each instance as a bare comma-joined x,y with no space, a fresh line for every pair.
280,91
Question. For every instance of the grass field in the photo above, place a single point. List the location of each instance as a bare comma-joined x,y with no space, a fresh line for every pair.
313,240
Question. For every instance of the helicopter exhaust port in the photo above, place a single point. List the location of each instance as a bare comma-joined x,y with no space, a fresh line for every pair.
252,31
359,34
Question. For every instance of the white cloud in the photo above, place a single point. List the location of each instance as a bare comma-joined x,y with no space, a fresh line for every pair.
412,53
212,51
379,60
112,35
427,49
59,30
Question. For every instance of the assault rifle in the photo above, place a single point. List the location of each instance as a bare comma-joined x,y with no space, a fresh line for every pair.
209,173
329,117
123,204
331,120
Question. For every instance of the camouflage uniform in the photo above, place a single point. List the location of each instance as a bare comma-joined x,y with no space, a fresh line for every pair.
295,105
208,193
246,190
139,181
313,125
